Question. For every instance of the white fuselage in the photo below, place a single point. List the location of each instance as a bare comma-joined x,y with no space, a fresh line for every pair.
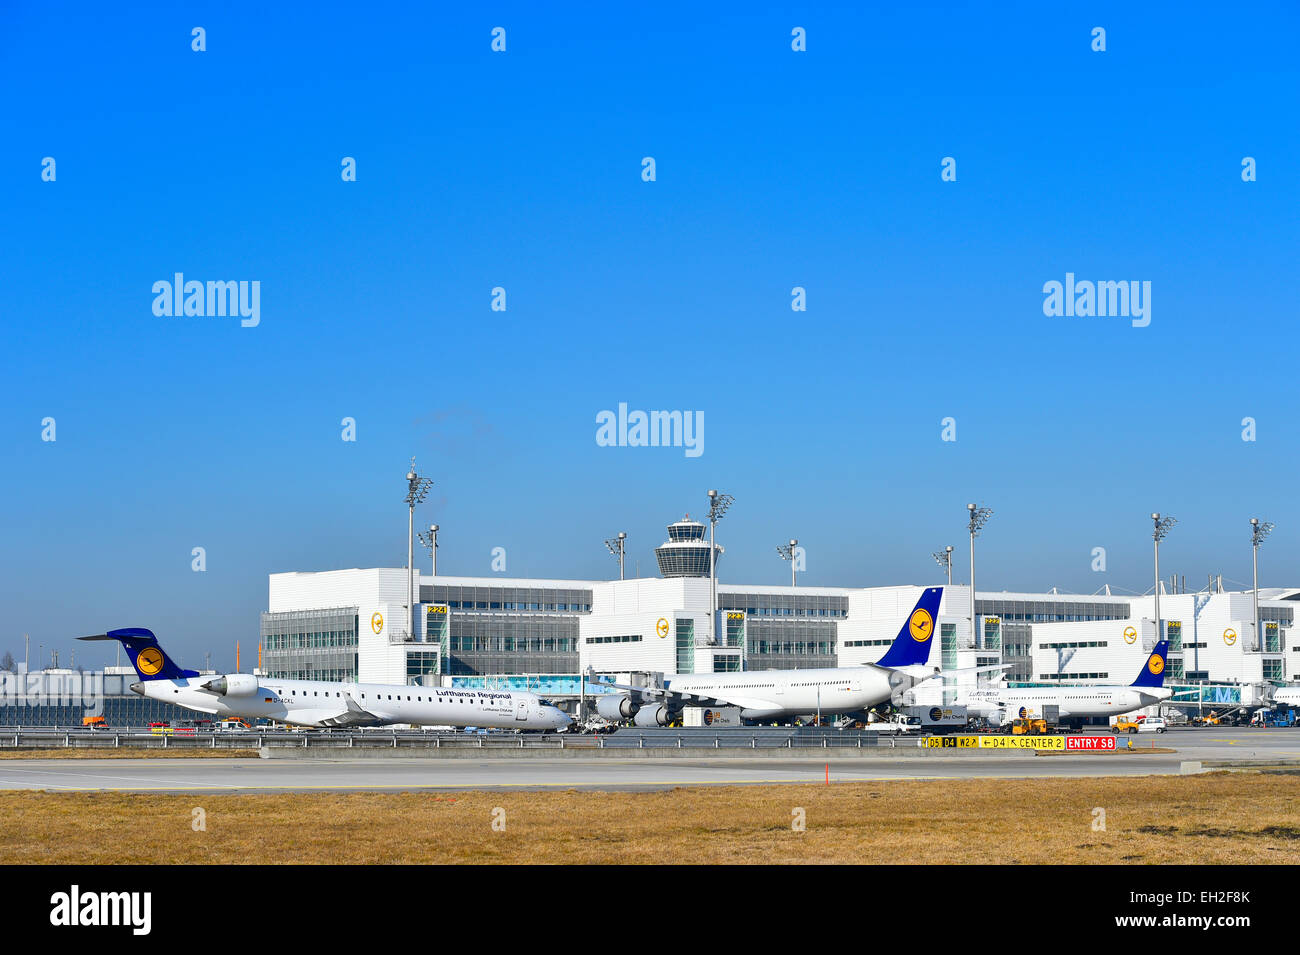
1290,695
319,703
764,694
1078,701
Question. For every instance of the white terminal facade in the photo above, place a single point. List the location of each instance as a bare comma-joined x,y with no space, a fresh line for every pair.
536,633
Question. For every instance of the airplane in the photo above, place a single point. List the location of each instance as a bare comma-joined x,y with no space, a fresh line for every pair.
996,703
769,694
326,704
1288,694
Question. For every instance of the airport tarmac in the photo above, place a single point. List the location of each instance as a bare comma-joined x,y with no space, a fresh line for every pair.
193,774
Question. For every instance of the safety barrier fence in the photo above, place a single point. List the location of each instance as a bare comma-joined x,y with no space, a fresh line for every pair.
45,738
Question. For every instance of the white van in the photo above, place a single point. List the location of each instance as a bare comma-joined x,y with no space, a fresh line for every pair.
1153,724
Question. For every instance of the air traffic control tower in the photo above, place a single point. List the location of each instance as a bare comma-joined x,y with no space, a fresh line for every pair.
686,552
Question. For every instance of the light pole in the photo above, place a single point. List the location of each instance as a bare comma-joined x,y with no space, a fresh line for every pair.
430,540
417,489
718,504
1258,531
618,547
787,553
944,559
1161,529
979,516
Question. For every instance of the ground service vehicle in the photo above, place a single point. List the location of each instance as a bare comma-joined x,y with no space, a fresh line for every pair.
1031,727
1278,717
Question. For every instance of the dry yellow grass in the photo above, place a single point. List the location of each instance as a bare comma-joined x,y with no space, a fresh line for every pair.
126,752
1218,818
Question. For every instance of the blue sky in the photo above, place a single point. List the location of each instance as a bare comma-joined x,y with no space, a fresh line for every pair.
522,169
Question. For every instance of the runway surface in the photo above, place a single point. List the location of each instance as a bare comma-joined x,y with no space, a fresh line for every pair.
193,774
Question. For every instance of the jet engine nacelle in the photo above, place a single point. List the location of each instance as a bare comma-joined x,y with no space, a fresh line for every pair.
234,684
616,707
997,716
655,715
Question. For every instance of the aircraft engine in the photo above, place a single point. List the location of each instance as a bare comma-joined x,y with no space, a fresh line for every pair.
997,716
656,715
234,684
616,707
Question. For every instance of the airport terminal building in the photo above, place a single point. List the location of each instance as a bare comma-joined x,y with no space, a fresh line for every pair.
540,633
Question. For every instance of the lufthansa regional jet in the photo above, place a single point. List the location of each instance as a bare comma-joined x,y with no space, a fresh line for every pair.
997,704
769,694
318,703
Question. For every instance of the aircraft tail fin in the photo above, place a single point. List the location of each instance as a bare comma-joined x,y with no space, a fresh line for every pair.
148,658
1153,674
912,645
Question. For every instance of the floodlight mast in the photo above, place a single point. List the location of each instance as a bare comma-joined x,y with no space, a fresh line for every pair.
1160,529
1258,531
944,559
617,547
718,504
417,489
978,517
430,541
787,552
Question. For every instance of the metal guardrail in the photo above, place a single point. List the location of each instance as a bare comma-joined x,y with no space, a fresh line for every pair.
753,739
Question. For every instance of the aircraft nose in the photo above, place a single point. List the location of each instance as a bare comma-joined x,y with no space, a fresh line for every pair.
137,688
560,717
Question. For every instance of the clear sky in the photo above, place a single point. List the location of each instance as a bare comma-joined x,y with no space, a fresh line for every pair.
523,170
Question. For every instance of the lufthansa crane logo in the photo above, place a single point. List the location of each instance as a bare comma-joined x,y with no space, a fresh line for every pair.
376,621
1230,636
661,627
921,625
150,661
1130,635
1157,664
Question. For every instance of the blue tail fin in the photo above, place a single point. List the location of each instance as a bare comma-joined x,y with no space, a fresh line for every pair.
912,645
149,660
1153,674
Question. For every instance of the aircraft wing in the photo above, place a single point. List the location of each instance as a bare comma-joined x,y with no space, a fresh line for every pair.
685,697
353,715
984,669
659,693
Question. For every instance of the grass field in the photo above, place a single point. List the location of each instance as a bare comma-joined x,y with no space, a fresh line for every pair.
1216,818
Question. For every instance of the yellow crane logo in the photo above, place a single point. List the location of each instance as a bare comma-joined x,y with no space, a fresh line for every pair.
150,661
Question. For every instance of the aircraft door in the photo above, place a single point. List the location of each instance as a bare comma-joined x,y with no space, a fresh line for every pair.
521,710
